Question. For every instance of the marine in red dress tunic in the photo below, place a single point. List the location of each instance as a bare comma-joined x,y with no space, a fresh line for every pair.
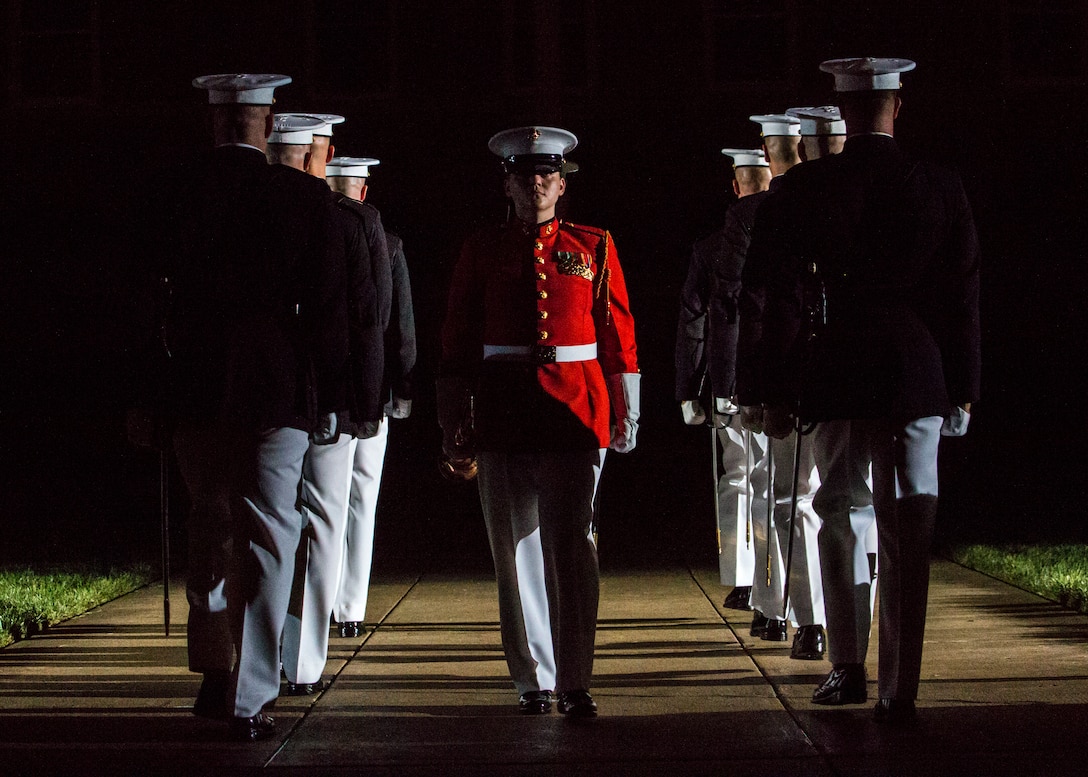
539,377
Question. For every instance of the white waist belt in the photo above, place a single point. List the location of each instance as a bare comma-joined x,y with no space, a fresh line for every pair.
542,354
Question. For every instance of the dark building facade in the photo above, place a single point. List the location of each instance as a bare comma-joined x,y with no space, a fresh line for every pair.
97,100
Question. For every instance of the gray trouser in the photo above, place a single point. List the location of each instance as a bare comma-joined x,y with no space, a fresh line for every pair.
544,498
268,526
904,495
203,452
326,481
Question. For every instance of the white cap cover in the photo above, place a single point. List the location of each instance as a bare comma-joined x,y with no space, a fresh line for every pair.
241,88
532,140
747,157
540,148
779,124
294,129
819,120
863,74
350,167
328,118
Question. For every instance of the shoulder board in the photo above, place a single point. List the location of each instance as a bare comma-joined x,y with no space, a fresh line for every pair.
359,209
582,228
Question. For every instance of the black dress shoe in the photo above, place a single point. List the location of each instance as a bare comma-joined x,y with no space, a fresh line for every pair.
211,699
535,703
774,631
260,726
759,625
305,689
809,643
895,712
351,629
844,685
577,704
738,598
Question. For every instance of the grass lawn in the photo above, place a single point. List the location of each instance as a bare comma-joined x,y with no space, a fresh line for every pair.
32,599
1056,572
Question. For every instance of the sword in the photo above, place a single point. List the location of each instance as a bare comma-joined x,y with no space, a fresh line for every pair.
748,491
595,521
770,502
714,471
793,513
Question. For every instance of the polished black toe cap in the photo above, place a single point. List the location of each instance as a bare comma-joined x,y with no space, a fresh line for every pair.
809,643
305,689
577,704
737,599
260,726
759,625
845,684
535,703
774,631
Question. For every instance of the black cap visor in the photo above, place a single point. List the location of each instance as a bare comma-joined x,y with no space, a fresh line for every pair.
533,164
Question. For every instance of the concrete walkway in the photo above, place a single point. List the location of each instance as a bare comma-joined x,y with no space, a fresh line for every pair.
682,690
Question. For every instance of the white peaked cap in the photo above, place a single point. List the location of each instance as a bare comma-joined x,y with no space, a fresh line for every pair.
350,167
819,120
294,129
241,88
747,157
328,118
863,74
772,124
526,141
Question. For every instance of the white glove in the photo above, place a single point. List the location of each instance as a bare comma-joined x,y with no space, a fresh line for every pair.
956,423
692,410
724,410
623,390
398,408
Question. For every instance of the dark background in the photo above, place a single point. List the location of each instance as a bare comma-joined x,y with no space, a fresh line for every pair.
96,101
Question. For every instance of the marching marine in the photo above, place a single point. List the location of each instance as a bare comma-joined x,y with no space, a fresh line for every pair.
349,177
327,470
706,351
258,329
539,377
883,351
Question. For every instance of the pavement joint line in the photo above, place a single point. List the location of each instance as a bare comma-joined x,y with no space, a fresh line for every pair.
786,707
302,718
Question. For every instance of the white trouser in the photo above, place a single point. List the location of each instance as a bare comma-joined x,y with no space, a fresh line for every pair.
366,481
806,589
538,508
268,526
742,495
326,483
904,496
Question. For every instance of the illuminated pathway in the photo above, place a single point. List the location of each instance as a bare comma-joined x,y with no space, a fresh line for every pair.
682,690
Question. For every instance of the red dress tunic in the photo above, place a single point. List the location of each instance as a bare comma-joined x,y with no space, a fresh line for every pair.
528,289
